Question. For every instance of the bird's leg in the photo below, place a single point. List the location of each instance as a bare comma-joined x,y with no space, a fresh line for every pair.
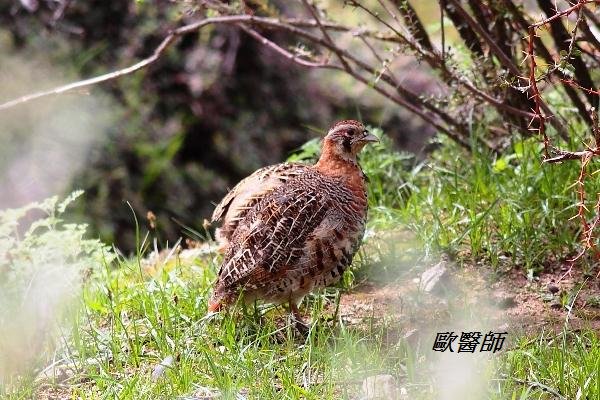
300,324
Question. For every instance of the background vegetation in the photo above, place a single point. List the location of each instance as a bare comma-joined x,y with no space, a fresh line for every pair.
476,104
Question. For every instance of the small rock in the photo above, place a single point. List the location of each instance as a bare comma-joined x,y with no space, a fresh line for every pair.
403,393
58,373
505,302
412,337
242,394
203,393
410,334
556,305
552,288
380,387
504,327
433,277
160,369
546,297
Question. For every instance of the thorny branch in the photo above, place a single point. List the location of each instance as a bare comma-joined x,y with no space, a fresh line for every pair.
556,155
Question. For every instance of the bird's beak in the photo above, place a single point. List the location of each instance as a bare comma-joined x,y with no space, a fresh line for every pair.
368,138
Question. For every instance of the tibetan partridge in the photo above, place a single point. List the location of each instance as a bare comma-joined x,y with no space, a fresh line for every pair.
244,196
291,228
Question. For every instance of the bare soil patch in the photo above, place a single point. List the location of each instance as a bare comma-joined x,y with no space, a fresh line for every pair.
474,296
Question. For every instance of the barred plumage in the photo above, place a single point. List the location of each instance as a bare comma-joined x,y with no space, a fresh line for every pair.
234,206
300,230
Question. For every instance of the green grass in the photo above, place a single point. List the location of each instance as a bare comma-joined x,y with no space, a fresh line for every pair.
510,210
128,323
563,366
107,340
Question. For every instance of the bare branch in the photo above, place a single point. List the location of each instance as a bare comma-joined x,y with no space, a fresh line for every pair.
502,57
292,57
403,38
397,99
93,81
545,53
565,41
167,41
354,31
568,11
327,37
412,20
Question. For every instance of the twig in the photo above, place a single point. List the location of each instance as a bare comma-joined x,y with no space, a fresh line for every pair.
561,38
434,59
93,81
406,39
561,155
290,56
535,92
327,37
384,63
269,23
390,12
399,100
166,42
304,23
588,236
405,97
578,86
568,11
541,48
414,100
412,20
588,231
505,61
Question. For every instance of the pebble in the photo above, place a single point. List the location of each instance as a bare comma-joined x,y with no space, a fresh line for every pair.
433,277
380,387
160,369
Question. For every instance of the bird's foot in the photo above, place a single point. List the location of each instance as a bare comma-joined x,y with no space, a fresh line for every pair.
298,320
301,326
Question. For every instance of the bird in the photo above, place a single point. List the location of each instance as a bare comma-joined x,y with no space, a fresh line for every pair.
292,228
247,193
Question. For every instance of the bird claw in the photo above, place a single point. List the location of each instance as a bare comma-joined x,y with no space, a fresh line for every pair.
301,326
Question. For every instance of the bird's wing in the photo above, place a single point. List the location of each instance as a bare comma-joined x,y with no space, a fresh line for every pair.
250,191
273,235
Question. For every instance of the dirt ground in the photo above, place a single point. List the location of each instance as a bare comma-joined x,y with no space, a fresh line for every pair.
473,297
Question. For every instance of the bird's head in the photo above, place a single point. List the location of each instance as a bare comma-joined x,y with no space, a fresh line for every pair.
347,138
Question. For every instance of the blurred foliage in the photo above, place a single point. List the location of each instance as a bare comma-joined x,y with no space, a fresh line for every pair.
41,271
216,107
